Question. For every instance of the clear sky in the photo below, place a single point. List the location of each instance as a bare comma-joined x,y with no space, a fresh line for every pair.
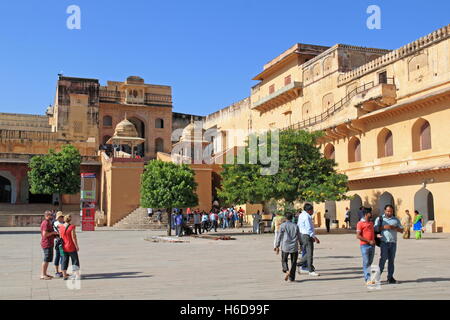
208,51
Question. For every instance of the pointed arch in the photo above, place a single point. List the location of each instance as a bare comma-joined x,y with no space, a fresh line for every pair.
385,143
424,203
354,150
329,151
421,135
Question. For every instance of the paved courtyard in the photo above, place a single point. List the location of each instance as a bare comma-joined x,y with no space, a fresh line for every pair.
122,265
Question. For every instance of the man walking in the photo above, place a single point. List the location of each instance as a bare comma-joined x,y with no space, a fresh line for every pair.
197,222
256,222
47,243
388,228
347,218
327,220
289,239
213,218
406,223
179,224
308,237
366,235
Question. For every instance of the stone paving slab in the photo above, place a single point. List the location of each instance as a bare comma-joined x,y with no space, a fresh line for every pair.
121,265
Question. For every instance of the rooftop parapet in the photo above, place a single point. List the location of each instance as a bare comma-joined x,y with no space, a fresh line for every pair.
400,53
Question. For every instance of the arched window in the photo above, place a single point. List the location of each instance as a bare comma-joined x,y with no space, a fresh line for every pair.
421,135
354,150
329,151
107,121
159,123
159,145
385,143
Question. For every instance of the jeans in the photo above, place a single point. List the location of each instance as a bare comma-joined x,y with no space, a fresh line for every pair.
285,266
367,252
198,228
327,224
75,261
275,238
179,230
388,250
308,245
58,257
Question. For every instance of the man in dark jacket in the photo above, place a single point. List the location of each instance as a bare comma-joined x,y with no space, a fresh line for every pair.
289,239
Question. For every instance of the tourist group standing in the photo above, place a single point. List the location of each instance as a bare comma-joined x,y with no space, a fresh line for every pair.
57,233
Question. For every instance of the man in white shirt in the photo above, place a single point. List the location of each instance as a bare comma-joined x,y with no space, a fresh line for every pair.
308,237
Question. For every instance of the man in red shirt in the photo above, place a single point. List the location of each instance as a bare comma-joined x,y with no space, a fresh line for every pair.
365,233
47,243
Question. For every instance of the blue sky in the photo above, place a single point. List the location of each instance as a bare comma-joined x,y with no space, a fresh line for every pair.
208,51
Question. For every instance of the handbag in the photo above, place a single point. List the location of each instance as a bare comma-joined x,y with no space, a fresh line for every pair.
380,225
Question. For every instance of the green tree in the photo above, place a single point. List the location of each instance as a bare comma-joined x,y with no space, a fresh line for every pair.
168,185
56,172
303,174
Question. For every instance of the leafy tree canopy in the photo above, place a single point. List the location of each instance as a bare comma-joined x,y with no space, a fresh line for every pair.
303,173
56,172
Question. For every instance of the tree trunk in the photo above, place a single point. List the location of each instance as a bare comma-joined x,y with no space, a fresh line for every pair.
59,202
169,222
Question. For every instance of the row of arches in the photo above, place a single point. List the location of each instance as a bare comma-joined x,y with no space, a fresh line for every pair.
420,134
107,122
423,202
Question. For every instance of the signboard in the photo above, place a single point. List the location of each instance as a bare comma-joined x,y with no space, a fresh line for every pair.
88,219
87,201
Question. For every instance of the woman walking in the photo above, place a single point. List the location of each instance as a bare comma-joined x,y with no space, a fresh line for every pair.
418,224
70,247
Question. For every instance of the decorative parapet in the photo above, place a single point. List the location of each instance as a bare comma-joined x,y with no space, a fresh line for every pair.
395,55
342,46
6,134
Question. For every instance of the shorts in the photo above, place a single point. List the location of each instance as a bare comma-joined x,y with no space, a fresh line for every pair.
48,254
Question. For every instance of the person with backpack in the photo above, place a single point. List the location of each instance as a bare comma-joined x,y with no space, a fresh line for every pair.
289,239
388,226
366,235
70,247
58,243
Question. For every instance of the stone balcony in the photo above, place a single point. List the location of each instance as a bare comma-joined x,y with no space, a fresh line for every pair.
279,97
378,97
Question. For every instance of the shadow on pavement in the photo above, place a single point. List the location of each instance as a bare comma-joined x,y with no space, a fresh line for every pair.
342,269
118,275
339,257
426,280
20,232
322,278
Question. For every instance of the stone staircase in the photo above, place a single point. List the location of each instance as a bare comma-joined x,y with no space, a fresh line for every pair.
138,219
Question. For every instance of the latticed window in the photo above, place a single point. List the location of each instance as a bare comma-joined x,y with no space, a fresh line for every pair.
425,136
271,89
287,80
107,121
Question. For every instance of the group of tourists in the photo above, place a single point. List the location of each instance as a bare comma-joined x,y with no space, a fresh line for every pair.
296,236
202,222
58,235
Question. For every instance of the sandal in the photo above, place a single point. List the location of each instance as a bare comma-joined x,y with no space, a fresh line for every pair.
46,278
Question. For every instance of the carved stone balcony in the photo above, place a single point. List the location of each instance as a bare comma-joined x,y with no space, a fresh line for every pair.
279,97
378,97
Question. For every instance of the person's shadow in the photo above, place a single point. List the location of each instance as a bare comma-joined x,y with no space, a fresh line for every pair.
420,280
117,275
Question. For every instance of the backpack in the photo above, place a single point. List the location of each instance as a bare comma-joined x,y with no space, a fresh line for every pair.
377,233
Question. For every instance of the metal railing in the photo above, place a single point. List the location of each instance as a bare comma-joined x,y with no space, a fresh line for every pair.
338,106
